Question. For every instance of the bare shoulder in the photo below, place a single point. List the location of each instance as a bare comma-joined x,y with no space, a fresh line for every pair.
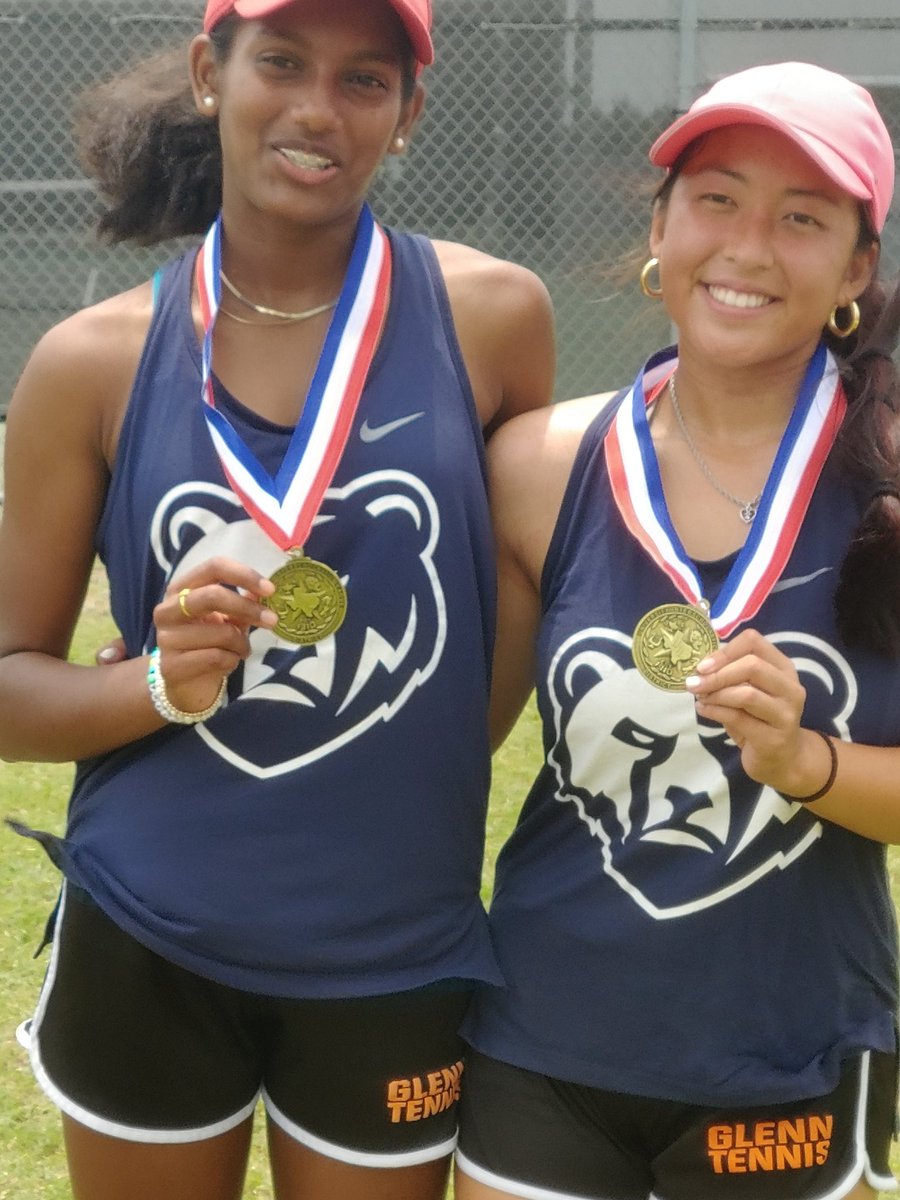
494,289
504,322
103,337
467,270
545,441
80,373
529,461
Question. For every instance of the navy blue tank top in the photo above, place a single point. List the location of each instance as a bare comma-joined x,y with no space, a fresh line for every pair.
666,926
321,835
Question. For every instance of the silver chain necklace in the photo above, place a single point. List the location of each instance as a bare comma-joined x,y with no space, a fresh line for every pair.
747,507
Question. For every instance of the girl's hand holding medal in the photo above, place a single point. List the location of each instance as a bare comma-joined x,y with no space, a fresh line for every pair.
203,628
750,688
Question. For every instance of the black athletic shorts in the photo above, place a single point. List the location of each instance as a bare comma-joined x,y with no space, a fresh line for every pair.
537,1137
133,1046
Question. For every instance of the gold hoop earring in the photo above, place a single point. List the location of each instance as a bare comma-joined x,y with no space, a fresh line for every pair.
650,266
851,326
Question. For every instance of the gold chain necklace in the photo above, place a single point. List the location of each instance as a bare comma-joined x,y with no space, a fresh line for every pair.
264,311
254,324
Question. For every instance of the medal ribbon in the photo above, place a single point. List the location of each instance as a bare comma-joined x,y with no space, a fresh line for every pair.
286,504
637,487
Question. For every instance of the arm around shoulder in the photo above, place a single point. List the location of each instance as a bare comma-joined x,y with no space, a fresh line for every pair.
518,576
529,463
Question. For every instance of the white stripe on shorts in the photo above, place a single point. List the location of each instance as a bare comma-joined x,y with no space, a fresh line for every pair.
527,1191
861,1167
357,1158
128,1133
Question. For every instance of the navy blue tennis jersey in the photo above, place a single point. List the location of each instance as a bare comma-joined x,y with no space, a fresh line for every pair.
321,835
666,926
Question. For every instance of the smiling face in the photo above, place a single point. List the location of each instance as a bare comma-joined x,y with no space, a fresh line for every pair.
756,246
309,102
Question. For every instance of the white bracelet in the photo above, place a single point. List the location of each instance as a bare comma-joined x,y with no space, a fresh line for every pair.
164,705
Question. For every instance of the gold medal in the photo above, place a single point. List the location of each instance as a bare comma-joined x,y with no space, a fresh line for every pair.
669,642
309,600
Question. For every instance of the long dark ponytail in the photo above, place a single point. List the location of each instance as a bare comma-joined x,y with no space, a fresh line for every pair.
867,600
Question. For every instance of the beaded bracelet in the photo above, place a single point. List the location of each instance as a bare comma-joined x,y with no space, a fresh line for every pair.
829,782
164,705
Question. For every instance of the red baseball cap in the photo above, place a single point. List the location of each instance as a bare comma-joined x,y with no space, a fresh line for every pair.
830,118
415,15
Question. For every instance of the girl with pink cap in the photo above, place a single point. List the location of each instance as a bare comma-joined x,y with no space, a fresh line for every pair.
273,850
701,574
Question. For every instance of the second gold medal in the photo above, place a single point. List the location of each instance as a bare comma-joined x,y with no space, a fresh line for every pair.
669,641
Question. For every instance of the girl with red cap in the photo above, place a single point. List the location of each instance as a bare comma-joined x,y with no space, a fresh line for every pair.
702,576
273,850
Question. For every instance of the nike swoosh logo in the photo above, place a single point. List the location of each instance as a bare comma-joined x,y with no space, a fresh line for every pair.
374,433
798,580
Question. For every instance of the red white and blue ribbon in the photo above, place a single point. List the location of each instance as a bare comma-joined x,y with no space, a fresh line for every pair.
285,505
637,487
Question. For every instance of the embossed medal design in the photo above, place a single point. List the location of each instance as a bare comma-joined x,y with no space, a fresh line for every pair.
310,601
668,643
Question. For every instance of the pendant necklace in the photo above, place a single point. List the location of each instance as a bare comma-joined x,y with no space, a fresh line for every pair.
671,639
747,507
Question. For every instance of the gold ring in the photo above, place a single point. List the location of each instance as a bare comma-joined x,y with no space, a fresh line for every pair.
182,601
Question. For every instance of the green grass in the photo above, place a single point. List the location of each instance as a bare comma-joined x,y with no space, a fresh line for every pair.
32,1165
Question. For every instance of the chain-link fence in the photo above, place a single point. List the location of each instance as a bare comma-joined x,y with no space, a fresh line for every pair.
533,144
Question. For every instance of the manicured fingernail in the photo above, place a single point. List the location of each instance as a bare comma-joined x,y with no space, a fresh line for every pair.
705,664
108,654
692,682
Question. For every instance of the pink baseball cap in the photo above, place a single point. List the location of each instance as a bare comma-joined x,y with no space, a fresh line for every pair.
832,119
415,15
